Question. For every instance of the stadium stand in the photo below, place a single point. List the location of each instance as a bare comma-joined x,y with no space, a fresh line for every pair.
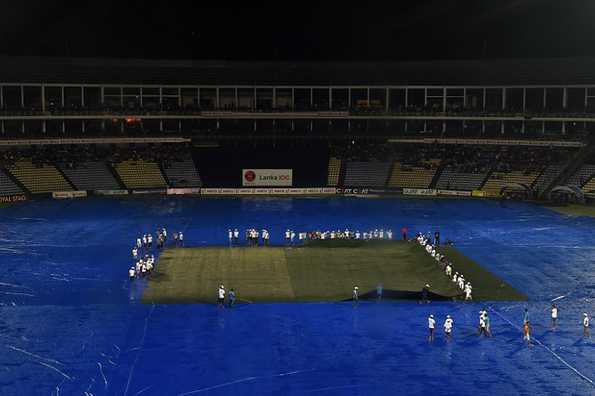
7,186
452,180
140,174
410,176
39,178
92,175
334,171
547,176
497,180
366,174
182,173
582,175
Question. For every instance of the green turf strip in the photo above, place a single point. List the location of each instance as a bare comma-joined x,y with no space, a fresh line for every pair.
323,271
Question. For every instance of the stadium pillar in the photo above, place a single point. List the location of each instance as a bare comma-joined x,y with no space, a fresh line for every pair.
524,104
464,98
311,99
161,96
406,100
484,105
274,98
141,97
102,95
197,96
292,98
121,96
254,101
180,97
330,98
83,96
564,99
444,104
425,97
544,97
217,98
586,98
22,97
236,98
368,96
503,101
42,100
1,97
349,98
386,99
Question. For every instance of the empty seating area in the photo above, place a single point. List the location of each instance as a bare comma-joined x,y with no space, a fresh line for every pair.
497,180
366,174
546,177
39,178
410,176
582,175
140,174
334,171
182,173
92,175
451,180
7,186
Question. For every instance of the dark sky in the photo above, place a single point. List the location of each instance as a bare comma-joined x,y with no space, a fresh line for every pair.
397,30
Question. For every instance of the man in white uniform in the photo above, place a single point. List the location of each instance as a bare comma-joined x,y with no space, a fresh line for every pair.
554,316
585,324
448,323
431,327
221,296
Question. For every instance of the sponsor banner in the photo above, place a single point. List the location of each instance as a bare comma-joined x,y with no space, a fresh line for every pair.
455,193
491,194
13,198
419,191
69,194
111,192
268,191
352,191
183,191
45,142
492,142
478,193
267,177
150,191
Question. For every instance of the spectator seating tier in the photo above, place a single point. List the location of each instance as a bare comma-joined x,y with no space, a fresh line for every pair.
8,187
182,173
451,180
410,176
497,180
546,177
582,175
334,171
39,179
366,174
91,175
140,174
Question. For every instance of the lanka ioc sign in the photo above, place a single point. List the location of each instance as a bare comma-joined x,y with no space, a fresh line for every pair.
267,177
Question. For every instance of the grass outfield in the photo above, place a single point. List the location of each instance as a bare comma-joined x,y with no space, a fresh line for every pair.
312,273
574,210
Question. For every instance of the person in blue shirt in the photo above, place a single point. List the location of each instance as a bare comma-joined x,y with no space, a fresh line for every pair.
232,298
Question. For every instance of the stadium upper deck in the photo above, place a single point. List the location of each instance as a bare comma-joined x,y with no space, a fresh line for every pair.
57,96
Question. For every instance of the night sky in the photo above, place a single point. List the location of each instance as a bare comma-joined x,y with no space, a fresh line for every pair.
295,31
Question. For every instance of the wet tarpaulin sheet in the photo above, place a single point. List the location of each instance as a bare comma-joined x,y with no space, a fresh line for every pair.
71,322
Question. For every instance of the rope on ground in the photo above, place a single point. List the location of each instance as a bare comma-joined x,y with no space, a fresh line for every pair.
564,362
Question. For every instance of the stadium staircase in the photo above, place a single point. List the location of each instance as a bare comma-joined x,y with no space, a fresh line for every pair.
92,175
182,173
582,176
40,179
547,177
139,174
9,185
334,172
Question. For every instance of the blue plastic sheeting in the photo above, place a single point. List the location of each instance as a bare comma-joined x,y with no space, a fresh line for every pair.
70,321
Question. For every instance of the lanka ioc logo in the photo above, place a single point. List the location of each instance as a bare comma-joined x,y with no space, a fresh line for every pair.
249,176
